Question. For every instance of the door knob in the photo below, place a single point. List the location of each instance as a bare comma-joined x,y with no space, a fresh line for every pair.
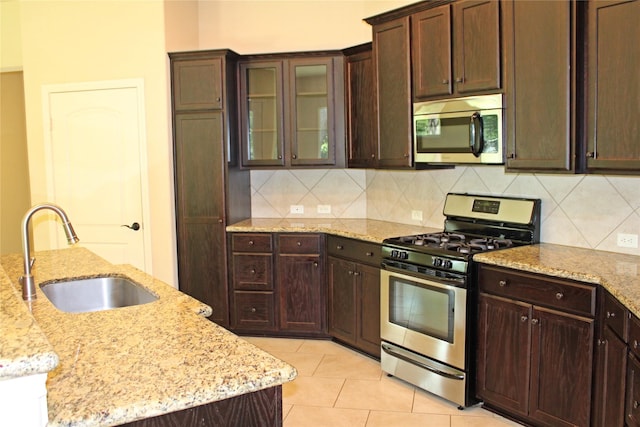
135,226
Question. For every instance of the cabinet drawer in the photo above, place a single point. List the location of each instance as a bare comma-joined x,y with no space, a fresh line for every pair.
247,242
299,243
253,310
634,335
252,272
616,316
356,250
559,294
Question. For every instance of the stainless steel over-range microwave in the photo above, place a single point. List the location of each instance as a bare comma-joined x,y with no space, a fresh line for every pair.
459,131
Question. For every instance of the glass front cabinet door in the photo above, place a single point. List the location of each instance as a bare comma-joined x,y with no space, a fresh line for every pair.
288,112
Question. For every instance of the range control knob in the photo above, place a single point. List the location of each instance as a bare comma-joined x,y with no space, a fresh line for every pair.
448,264
438,262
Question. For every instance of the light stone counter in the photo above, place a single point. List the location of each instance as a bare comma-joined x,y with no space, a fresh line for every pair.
362,229
129,363
618,273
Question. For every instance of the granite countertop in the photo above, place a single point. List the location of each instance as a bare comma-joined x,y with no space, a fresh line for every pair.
618,273
363,229
129,363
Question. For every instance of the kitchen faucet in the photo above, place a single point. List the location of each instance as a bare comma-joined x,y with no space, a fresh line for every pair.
28,284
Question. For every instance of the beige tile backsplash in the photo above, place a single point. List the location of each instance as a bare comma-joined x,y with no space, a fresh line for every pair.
577,210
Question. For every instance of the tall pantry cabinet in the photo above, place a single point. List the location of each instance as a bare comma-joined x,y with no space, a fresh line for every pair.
210,189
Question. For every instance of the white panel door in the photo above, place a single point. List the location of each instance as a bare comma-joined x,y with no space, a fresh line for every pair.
95,168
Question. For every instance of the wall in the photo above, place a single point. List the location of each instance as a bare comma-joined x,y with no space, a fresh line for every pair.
577,210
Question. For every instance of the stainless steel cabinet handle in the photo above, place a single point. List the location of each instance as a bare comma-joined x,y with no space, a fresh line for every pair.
559,295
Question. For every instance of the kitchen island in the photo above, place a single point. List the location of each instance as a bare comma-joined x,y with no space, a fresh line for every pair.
127,364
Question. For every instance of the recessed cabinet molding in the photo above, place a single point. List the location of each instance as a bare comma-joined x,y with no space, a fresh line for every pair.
291,111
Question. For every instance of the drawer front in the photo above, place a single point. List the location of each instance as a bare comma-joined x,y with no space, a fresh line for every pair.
300,243
253,310
616,316
634,335
252,272
356,250
536,289
250,242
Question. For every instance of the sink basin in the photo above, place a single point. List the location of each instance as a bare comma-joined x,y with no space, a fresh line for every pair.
96,293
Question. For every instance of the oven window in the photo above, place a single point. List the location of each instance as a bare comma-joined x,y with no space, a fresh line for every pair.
422,308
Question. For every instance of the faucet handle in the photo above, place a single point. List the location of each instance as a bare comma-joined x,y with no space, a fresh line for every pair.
32,261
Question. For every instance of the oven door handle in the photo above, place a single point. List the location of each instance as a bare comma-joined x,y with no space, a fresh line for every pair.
437,371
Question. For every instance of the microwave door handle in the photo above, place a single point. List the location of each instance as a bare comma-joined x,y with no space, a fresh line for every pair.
476,136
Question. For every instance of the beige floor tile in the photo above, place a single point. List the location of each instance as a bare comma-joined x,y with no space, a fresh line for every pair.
312,391
323,347
350,365
285,410
387,419
429,403
305,363
309,416
275,344
491,421
383,395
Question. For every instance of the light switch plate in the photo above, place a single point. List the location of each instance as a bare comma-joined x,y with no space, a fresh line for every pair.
627,240
416,215
324,209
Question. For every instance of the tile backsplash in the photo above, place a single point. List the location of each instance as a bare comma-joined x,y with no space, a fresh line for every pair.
577,210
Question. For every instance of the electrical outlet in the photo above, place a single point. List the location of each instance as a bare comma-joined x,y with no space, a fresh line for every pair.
296,209
324,209
416,215
627,240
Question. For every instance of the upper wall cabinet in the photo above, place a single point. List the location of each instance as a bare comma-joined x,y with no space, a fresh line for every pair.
541,77
289,111
613,91
462,61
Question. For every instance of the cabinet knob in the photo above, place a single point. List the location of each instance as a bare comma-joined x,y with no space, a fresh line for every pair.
315,264
635,343
373,156
355,273
369,254
534,321
339,247
279,156
524,318
460,80
350,273
511,156
445,81
252,271
602,342
610,314
294,156
591,154
218,99
406,155
635,404
253,309
220,220
502,283
559,295
251,243
299,243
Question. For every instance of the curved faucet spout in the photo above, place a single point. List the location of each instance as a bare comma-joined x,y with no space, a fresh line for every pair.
27,282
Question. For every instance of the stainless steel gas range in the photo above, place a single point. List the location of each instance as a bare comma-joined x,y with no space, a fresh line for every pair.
428,297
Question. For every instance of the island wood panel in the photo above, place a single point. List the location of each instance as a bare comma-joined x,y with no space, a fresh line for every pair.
260,408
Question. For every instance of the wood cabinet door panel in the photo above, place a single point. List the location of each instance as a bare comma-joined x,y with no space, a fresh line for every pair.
611,372
616,316
633,392
249,242
431,52
634,334
541,72
301,293
368,324
504,353
477,45
561,368
252,272
299,244
613,86
342,299
393,78
253,310
197,84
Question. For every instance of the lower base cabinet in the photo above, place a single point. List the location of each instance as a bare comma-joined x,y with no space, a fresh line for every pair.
536,347
354,293
257,409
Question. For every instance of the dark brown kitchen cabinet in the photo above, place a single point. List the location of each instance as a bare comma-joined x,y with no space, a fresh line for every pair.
542,330
354,293
632,405
392,71
289,114
360,99
456,49
301,282
540,39
253,297
613,86
204,173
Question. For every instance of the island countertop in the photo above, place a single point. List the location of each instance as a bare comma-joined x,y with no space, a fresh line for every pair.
131,363
617,273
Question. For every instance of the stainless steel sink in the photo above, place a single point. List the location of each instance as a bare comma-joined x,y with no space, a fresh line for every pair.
96,293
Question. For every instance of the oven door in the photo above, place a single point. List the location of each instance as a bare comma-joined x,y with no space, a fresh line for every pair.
424,315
